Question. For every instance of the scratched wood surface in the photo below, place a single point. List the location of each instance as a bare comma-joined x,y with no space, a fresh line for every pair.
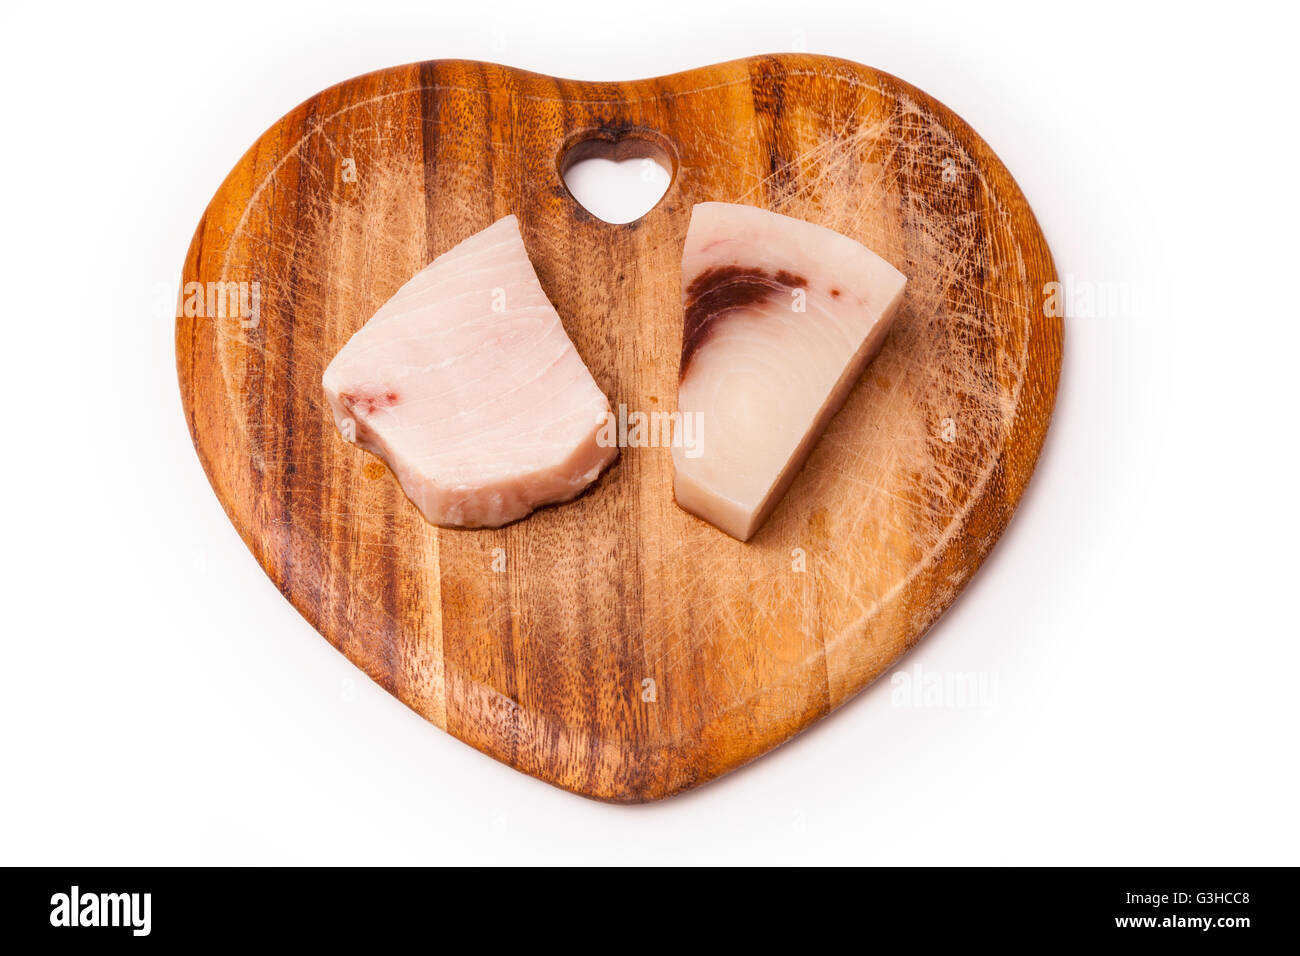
617,646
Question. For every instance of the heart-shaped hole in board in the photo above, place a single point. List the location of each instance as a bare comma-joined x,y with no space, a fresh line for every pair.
617,175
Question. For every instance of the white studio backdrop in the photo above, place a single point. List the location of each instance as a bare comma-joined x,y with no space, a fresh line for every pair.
162,703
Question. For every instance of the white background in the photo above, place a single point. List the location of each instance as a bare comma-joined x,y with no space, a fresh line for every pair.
161,703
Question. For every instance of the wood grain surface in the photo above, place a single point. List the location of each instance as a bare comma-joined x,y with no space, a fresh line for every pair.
617,646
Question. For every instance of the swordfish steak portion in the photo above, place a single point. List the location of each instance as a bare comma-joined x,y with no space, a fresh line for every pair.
781,317
467,385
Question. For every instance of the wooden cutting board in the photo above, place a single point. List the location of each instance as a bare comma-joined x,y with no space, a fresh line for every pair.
617,646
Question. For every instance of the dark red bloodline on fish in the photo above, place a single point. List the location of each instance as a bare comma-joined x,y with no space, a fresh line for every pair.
722,289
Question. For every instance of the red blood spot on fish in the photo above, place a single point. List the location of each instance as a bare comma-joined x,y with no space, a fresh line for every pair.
367,401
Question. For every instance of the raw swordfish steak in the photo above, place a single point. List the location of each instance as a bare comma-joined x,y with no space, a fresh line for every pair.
781,317
467,385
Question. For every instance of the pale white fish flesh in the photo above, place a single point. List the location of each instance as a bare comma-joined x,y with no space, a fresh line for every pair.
467,385
781,318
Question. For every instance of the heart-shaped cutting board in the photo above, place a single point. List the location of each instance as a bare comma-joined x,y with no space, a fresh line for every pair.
617,646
